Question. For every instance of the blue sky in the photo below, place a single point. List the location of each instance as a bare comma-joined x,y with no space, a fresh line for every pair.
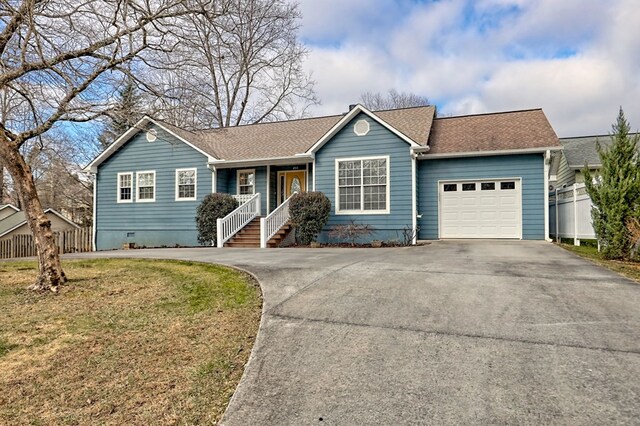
577,59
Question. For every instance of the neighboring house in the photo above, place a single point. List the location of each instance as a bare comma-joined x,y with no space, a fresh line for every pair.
475,176
7,210
16,223
578,152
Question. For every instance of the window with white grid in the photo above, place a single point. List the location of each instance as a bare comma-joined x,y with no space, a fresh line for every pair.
185,184
246,182
362,185
125,187
146,182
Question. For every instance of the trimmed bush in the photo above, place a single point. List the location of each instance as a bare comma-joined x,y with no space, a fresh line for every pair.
309,213
213,207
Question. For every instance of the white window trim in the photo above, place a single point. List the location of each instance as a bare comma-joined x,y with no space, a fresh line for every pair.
255,179
118,199
151,200
195,184
362,211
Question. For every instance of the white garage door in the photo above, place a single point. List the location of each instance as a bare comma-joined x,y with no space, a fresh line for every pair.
481,209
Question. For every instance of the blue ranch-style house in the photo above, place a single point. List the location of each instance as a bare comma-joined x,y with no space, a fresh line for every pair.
474,176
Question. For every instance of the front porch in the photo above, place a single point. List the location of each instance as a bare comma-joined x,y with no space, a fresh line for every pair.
275,183
262,219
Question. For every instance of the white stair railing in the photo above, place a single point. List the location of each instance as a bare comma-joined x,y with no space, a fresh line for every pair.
229,225
243,198
271,224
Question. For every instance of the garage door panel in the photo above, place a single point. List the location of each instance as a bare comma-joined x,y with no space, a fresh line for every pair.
492,212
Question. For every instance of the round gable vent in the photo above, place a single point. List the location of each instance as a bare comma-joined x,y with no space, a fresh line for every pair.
361,127
152,135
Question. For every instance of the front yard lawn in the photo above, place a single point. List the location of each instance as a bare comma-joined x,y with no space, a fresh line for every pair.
125,342
628,269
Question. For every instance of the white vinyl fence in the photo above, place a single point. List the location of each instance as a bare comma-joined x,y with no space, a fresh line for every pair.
570,214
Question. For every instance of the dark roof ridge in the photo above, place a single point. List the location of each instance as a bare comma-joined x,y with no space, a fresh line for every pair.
608,135
213,129
403,108
490,113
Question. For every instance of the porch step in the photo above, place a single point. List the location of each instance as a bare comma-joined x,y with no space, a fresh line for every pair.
249,236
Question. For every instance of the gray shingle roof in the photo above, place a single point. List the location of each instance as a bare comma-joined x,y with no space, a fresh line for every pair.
288,138
582,150
492,132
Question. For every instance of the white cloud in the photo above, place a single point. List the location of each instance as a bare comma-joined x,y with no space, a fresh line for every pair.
578,60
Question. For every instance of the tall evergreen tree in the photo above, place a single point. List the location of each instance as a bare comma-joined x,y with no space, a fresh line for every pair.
615,190
127,112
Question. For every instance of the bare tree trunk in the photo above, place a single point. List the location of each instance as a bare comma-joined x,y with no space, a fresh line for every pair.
51,275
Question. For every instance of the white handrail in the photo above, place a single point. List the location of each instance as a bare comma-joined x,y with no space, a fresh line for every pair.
229,225
271,224
243,198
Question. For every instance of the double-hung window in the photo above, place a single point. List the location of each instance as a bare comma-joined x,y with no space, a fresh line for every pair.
186,184
146,183
125,187
246,182
362,185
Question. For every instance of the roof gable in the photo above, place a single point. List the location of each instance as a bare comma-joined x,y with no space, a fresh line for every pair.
140,126
19,219
418,125
9,206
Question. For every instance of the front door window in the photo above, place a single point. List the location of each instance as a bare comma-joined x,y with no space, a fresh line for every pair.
289,182
295,185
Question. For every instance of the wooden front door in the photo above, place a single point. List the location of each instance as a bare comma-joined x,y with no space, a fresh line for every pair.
289,182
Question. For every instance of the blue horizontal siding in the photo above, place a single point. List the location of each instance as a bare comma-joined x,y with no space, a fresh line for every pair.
261,184
529,168
165,222
378,142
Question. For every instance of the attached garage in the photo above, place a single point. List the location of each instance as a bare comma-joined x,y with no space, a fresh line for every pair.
487,208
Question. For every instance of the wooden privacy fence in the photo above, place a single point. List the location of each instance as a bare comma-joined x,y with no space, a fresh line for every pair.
570,214
72,241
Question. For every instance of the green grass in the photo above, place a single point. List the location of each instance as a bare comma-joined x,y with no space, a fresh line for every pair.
124,342
628,269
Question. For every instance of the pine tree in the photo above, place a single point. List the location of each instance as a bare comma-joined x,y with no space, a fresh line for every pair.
127,112
615,190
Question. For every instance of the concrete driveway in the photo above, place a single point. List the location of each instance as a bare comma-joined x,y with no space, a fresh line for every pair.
454,332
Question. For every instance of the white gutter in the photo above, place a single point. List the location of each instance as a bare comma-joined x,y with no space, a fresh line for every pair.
274,161
489,153
547,164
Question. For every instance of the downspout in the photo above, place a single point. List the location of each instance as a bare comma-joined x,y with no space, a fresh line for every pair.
95,212
414,211
547,164
414,153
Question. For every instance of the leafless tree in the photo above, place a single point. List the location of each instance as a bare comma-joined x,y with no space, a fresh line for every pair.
244,66
392,100
58,60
